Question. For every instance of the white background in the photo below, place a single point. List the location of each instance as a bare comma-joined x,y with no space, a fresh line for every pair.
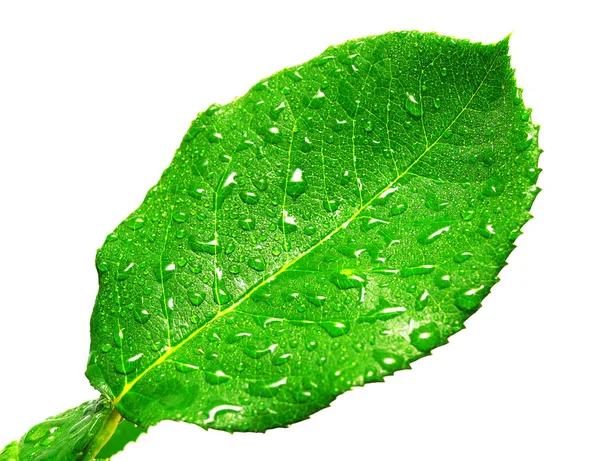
95,99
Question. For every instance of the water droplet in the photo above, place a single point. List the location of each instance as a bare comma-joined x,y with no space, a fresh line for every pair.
433,233
310,230
345,179
288,223
197,245
349,278
220,294
417,270
141,315
444,71
368,126
280,358
422,301
385,311
220,409
494,187
180,216
442,281
486,229
317,100
118,336
437,103
398,209
102,266
426,337
216,377
249,197
185,367
462,257
135,222
296,184
389,361
127,366
412,105
331,205
105,348
471,299
266,388
257,263
196,297
247,223
335,329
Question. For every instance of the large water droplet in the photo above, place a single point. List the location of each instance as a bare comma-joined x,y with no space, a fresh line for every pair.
216,377
135,222
389,361
266,388
470,299
127,366
335,329
247,223
185,367
257,263
412,105
296,184
211,247
249,197
426,337
433,233
417,270
141,315
196,297
220,294
385,311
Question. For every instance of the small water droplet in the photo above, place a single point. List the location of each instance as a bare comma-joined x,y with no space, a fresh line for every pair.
437,103
105,348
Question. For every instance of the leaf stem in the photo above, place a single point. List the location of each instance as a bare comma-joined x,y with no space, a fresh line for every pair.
102,437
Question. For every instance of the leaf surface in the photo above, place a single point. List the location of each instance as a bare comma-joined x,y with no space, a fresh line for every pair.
336,223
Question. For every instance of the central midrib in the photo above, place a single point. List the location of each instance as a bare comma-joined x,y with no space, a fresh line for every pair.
290,263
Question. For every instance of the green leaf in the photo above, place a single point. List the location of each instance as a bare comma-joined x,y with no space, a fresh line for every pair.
76,434
10,452
336,223
125,432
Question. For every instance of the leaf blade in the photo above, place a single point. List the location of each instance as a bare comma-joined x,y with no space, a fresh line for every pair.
373,210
